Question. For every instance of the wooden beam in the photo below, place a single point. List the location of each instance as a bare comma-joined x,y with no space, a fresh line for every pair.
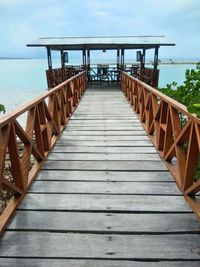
49,58
88,58
156,58
122,58
143,58
84,58
62,59
118,60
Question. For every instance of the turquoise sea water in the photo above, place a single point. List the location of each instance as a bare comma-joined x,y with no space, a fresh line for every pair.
23,80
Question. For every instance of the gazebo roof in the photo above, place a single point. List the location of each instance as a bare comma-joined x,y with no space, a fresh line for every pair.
101,42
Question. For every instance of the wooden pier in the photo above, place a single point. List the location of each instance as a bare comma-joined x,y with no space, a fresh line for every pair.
104,197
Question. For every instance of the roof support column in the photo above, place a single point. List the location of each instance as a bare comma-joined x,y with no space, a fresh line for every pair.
118,60
84,58
62,59
156,58
143,59
49,58
88,59
122,58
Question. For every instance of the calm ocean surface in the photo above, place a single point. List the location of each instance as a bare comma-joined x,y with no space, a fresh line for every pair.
23,80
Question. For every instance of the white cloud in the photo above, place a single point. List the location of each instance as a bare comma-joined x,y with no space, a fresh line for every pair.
24,20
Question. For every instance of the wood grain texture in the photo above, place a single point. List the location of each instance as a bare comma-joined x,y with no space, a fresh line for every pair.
92,263
105,222
124,203
126,188
104,149
105,176
105,165
69,245
104,157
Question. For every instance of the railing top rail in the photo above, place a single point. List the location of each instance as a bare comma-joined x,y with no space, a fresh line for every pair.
180,107
30,104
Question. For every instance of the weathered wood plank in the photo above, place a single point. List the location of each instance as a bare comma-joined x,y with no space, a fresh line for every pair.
104,222
103,112
92,156
104,149
104,128
112,203
105,165
104,109
67,137
70,245
102,133
104,176
113,112
79,115
105,143
128,188
103,123
15,262
108,118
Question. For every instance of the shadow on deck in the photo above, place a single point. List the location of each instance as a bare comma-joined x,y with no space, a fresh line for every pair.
103,198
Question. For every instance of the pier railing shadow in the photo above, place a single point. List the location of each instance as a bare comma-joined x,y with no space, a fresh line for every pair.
24,149
174,132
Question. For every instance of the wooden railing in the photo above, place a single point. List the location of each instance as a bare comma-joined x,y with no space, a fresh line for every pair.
57,76
23,150
150,76
174,132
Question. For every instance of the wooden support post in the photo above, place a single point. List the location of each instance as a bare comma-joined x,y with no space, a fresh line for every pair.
156,66
88,63
122,58
118,60
62,59
156,58
143,59
84,58
49,58
88,59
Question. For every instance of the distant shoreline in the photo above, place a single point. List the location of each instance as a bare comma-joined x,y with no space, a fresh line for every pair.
113,63
11,58
176,63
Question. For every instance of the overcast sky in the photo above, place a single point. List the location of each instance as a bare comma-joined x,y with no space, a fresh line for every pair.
22,21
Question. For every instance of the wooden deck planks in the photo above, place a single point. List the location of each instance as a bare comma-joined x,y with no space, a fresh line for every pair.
125,188
105,222
103,198
65,175
104,149
104,133
92,263
118,138
99,203
105,165
104,157
105,246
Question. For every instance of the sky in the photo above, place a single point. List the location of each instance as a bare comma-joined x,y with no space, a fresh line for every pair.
22,21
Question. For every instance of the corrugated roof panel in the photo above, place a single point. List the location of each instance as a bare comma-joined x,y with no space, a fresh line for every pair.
94,42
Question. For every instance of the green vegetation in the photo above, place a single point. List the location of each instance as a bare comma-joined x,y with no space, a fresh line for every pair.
188,93
2,109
